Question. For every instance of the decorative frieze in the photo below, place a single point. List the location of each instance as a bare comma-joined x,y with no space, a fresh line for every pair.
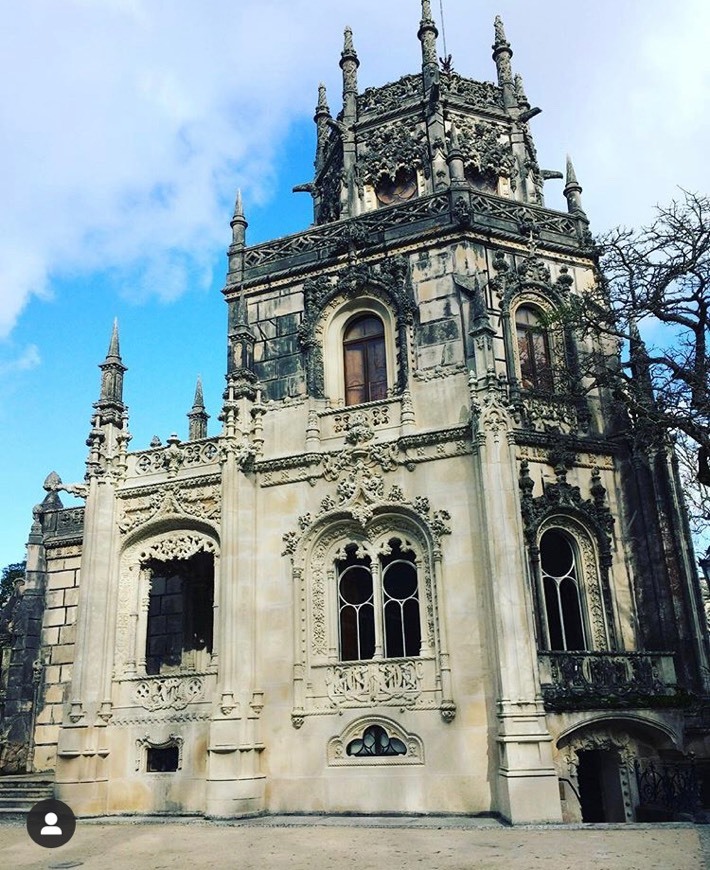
386,682
168,693
174,456
137,507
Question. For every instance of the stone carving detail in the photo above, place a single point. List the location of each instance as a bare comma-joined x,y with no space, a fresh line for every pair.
171,693
345,421
181,545
375,683
482,95
605,680
391,97
202,502
399,145
176,455
486,148
490,414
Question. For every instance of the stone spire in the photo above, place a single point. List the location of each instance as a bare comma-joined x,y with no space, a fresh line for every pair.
502,54
573,190
427,35
110,407
348,64
197,416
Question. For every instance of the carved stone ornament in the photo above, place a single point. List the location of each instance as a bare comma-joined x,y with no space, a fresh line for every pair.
168,693
491,414
171,500
390,148
485,147
337,746
375,682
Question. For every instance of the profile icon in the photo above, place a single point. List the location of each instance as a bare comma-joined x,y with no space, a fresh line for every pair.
51,829
51,823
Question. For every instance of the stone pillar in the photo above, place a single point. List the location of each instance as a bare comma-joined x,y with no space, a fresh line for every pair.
527,788
235,784
82,751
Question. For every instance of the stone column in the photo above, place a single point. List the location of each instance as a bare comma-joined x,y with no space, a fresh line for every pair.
235,785
527,788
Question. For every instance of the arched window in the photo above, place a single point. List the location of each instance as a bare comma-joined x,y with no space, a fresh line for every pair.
365,360
378,610
533,350
560,580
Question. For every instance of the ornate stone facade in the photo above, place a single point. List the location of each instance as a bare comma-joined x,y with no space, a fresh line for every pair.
443,583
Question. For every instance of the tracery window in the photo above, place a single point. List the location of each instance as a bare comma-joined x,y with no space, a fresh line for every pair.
561,591
376,741
378,605
365,360
533,350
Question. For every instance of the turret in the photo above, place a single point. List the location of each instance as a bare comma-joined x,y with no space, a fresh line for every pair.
197,416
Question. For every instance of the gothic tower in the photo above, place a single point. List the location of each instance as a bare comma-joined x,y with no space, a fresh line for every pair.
423,567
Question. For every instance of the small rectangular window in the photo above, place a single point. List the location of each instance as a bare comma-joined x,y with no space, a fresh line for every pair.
163,759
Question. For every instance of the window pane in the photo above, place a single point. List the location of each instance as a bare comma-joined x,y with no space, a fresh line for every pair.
357,612
552,607
355,375
569,597
401,607
365,361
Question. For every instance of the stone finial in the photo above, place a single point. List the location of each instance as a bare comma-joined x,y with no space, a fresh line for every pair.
322,100
348,44
348,64
499,31
523,101
238,222
197,416
426,11
573,190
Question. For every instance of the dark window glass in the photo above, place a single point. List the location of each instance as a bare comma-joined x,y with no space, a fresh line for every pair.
401,609
180,612
365,362
486,182
533,350
376,741
561,589
357,609
162,759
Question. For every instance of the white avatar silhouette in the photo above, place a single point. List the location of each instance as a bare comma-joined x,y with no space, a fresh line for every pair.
50,828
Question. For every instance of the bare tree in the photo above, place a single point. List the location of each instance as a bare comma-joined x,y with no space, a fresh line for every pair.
655,281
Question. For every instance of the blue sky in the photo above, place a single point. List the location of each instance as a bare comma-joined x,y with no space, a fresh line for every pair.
127,125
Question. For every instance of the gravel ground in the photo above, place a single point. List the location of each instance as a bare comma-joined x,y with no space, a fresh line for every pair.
338,843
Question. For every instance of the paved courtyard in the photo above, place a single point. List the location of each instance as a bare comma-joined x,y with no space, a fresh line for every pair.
336,843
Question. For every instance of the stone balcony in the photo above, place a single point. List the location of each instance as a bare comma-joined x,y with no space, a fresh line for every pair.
602,680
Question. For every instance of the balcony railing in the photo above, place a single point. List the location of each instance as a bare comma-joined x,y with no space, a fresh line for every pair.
599,680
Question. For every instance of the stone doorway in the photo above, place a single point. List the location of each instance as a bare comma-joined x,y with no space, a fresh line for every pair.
600,791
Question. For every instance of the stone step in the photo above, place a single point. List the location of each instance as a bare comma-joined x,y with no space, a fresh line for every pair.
18,794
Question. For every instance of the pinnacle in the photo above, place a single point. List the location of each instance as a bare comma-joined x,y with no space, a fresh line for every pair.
571,174
238,208
322,98
499,30
426,11
348,45
113,348
199,402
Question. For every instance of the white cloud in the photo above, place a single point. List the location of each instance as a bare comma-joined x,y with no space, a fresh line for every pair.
28,359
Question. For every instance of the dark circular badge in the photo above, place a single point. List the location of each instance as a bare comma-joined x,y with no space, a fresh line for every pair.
51,823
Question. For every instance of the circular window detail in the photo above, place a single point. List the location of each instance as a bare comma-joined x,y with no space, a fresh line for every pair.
400,189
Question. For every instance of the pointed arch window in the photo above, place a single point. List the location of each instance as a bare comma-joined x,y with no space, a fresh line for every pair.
379,613
533,350
365,360
561,582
